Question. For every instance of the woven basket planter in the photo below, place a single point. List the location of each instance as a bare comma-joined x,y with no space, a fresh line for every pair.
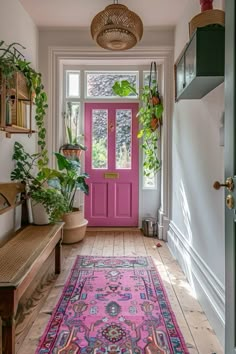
75,227
205,18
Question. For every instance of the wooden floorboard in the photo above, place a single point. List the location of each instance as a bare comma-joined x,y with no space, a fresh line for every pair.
198,334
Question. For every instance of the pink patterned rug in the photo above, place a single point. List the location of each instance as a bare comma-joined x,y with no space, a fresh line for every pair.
113,305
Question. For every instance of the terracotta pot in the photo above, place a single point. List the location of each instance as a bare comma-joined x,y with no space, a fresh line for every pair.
75,227
206,5
154,123
71,151
155,100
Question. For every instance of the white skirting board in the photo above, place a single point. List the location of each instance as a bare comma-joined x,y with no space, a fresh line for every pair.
209,290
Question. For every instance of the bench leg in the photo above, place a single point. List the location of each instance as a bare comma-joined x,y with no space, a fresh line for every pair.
8,335
58,257
7,313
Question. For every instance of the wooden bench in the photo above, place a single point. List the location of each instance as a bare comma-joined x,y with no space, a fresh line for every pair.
20,260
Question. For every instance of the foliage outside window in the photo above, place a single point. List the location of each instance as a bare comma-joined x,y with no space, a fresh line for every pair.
123,138
99,138
99,84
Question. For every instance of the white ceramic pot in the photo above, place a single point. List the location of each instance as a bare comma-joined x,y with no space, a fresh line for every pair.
40,216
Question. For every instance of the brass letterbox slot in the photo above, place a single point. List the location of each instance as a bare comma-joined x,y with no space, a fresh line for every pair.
111,175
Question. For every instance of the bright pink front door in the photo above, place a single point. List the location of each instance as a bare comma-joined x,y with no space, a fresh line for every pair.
112,163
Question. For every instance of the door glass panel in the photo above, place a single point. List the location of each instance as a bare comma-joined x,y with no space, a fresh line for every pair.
99,138
73,82
123,138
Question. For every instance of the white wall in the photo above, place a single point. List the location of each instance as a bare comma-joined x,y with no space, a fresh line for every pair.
196,235
15,26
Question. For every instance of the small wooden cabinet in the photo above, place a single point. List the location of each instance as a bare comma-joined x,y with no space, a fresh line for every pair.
16,105
200,67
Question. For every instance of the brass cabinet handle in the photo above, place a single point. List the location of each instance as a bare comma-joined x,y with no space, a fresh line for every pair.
229,184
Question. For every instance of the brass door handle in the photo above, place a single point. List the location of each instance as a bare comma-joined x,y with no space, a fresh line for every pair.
229,184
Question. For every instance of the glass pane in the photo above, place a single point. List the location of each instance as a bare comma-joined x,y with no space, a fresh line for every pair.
99,138
72,118
73,81
100,84
149,181
123,138
146,78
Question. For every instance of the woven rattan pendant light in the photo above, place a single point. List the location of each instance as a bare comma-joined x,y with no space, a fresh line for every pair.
116,27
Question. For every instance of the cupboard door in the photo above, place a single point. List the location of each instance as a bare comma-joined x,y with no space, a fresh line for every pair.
180,77
190,62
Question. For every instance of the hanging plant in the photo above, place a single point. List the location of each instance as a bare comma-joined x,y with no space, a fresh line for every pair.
11,62
149,116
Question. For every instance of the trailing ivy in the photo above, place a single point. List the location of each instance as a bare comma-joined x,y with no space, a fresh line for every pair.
150,118
12,61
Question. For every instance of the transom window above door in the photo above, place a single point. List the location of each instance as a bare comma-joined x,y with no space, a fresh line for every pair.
99,84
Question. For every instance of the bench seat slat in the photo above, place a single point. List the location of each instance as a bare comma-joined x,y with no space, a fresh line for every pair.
18,255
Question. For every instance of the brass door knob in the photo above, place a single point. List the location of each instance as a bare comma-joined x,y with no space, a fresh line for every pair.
230,201
229,184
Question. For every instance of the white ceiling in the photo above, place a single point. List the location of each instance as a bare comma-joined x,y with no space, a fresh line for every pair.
79,13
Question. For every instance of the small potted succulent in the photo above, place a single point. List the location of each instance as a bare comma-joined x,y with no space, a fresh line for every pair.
72,149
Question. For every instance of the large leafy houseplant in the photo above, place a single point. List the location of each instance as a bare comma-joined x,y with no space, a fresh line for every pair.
150,118
69,179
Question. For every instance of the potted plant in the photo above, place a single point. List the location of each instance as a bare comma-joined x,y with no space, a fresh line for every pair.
72,149
32,170
150,118
48,204
68,181
12,62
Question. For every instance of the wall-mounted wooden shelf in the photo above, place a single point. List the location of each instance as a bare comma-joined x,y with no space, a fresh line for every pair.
16,106
9,130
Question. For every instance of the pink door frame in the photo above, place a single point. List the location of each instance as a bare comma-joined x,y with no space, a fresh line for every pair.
112,202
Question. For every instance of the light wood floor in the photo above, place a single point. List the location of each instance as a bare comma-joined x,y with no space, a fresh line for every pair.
198,334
